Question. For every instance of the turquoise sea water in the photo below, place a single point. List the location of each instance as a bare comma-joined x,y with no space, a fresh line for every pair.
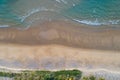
96,12
90,12
7,17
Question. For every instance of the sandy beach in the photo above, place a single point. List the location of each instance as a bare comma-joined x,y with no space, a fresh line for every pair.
60,45
64,33
57,57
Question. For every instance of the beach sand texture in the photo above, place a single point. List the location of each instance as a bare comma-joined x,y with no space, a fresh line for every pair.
65,33
60,45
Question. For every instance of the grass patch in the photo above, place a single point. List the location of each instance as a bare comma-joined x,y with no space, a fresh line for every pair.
7,74
48,75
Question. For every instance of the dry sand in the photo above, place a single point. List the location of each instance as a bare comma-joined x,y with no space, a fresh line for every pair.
56,57
61,45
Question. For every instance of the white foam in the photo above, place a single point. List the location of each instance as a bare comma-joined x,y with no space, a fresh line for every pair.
4,26
65,2
96,22
33,11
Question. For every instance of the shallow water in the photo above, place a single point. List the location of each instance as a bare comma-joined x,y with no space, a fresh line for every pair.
90,12
7,17
95,12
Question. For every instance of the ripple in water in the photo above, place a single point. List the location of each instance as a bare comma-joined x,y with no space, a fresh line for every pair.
91,12
7,17
95,12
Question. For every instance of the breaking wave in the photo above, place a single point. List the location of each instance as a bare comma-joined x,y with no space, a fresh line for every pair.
90,12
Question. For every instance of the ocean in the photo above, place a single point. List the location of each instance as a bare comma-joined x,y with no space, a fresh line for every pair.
23,13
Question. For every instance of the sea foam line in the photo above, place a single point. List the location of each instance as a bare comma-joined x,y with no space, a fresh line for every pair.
33,11
96,22
4,26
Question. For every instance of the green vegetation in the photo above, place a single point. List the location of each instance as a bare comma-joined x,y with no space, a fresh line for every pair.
48,75
7,74
91,78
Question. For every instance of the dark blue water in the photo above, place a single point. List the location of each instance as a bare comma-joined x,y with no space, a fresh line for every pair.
91,12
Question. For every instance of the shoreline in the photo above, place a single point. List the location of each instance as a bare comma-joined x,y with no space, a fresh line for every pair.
60,39
59,46
64,33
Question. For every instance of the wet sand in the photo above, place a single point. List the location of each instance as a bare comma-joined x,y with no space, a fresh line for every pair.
60,45
64,33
